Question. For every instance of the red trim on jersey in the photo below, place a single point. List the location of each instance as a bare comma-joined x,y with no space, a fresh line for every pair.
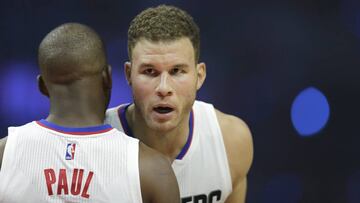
75,133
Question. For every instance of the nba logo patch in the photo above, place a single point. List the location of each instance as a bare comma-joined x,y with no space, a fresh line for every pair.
70,151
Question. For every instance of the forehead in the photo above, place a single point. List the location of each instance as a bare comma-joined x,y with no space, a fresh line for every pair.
176,51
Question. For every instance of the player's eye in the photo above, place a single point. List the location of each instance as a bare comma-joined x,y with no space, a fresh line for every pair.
149,71
176,71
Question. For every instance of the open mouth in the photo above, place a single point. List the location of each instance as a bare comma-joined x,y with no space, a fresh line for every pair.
163,110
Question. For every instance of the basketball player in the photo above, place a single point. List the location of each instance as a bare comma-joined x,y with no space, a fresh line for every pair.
211,151
71,156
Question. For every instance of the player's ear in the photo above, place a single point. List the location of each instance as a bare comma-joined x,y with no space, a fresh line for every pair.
127,71
107,84
107,79
42,87
201,74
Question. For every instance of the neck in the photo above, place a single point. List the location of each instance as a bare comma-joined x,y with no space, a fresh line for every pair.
77,108
168,142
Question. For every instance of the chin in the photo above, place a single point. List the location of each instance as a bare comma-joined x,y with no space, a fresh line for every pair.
164,126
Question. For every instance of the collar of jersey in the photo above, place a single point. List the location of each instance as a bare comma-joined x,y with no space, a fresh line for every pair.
75,131
127,130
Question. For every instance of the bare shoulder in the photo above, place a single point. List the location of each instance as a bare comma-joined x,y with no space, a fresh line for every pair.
153,159
238,143
2,148
158,181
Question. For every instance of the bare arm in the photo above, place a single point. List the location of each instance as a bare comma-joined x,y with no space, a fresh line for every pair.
2,148
239,149
158,181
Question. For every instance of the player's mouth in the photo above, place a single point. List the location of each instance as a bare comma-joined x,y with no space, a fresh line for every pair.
163,112
163,109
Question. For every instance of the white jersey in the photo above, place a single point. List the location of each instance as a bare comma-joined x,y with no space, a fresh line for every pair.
44,162
201,168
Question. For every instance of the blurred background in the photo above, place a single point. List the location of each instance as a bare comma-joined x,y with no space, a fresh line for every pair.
290,69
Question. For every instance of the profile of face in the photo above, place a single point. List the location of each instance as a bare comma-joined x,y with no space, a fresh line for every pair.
164,78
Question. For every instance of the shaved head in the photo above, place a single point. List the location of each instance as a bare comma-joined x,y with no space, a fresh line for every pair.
71,52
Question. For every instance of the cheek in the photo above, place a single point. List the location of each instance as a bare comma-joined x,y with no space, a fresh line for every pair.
141,89
140,94
186,87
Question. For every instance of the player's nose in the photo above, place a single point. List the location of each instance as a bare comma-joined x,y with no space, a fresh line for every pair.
164,88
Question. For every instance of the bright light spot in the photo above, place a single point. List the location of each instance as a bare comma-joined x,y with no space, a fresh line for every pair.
310,111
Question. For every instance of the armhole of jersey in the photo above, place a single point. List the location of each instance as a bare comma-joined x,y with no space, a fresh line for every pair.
221,139
112,118
9,151
7,160
134,170
117,119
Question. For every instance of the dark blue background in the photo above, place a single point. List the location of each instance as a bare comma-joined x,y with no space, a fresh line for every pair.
260,54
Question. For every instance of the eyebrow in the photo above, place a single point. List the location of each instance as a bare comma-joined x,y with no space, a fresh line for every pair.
149,65
146,65
182,65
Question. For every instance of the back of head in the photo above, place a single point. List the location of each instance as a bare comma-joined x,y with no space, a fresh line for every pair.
71,52
163,23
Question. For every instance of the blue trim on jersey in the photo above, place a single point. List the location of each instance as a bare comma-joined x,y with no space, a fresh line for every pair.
72,130
124,123
127,129
189,139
